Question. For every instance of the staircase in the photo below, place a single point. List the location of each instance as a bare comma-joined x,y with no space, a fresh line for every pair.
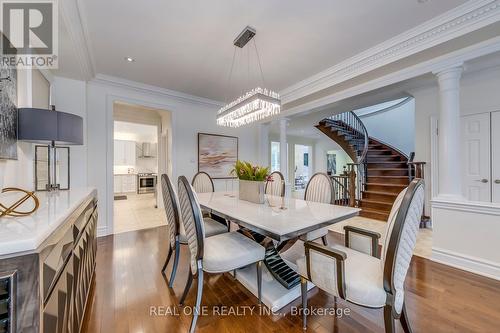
382,171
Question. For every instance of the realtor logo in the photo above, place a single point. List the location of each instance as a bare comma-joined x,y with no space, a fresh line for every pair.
29,33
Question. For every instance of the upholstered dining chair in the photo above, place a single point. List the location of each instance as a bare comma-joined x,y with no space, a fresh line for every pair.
363,279
217,254
177,236
202,182
275,184
320,188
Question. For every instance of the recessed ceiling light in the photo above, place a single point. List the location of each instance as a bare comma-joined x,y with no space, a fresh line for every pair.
129,59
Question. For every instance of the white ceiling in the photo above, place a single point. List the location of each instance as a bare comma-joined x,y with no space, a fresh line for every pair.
187,45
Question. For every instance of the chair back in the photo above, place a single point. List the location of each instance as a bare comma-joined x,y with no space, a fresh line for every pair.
320,189
192,219
202,182
401,237
171,205
275,185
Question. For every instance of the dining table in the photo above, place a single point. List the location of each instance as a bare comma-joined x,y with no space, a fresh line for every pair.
281,219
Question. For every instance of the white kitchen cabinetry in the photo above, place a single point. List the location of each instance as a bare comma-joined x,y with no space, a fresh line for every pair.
124,152
125,183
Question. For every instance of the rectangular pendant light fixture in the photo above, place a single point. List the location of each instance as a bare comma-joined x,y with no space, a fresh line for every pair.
256,104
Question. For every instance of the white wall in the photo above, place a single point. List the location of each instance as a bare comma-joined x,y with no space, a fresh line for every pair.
188,118
465,234
322,147
395,126
70,96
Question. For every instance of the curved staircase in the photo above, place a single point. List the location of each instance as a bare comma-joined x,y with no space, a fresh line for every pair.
384,169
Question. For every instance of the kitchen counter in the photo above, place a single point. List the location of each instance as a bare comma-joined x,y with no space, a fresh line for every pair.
26,234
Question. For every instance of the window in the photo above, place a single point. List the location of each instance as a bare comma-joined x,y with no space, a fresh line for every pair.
275,156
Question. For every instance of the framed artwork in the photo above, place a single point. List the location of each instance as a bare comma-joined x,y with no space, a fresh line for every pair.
217,154
8,113
331,164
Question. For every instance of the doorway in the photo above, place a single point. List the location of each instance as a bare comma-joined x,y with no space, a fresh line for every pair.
302,166
140,146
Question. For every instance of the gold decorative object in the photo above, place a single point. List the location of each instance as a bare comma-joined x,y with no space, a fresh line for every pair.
11,211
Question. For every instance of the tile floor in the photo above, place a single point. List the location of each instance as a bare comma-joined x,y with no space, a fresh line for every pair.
137,212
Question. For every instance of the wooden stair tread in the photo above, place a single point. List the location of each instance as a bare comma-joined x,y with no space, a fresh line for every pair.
381,193
400,177
376,202
386,184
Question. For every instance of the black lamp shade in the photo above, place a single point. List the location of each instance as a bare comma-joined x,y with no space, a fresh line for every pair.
45,126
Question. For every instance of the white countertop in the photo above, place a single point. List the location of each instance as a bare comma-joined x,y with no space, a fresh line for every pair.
282,217
26,234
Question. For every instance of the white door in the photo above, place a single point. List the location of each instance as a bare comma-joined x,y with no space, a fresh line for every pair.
476,161
495,156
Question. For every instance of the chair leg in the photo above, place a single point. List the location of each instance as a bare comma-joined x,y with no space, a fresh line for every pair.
404,320
388,319
166,260
186,289
259,280
325,241
199,293
176,262
303,292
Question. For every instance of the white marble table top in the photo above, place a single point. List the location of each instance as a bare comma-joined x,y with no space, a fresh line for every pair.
26,234
278,218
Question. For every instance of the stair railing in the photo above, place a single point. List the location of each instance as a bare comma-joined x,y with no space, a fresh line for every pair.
415,169
356,171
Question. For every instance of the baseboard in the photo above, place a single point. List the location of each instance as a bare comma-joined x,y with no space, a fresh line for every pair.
102,231
466,263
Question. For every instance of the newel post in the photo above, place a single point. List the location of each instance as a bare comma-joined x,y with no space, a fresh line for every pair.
352,188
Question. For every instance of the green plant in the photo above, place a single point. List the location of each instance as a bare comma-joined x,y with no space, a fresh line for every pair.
247,171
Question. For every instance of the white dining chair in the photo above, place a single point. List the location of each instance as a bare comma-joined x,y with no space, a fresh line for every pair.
275,184
364,279
217,254
177,235
320,188
203,183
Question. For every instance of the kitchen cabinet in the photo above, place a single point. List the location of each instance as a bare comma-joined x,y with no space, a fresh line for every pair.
125,183
124,152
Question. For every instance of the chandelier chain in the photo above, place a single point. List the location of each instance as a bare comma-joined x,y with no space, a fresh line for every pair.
258,60
229,76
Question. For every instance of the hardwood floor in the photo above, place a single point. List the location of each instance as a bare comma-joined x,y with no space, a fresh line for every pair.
128,286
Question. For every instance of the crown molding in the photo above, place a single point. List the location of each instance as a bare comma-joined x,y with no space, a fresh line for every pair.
108,80
70,11
471,16
429,66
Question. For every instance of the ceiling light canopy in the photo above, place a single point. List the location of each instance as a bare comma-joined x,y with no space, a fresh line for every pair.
129,59
257,104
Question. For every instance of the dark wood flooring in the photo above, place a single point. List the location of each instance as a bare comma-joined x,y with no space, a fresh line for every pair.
128,283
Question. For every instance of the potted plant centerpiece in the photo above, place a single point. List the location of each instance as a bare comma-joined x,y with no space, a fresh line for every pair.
252,181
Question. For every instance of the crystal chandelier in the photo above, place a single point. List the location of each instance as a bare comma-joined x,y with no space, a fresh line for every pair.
257,104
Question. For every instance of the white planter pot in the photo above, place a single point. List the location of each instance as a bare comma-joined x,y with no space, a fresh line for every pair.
252,191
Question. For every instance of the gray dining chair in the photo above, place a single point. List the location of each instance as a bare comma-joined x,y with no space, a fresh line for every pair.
217,254
320,188
177,235
275,185
364,279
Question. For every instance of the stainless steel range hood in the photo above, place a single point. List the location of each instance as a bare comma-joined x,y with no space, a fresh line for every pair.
147,151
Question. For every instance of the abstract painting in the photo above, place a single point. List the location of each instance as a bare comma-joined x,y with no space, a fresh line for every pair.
217,154
8,113
331,164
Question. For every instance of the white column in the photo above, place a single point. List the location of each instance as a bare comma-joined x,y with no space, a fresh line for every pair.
450,176
263,149
283,149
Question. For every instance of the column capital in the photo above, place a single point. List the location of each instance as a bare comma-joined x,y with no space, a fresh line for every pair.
455,70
